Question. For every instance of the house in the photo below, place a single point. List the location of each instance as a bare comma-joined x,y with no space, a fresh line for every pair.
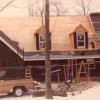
72,40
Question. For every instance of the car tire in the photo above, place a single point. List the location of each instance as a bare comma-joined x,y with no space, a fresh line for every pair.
18,92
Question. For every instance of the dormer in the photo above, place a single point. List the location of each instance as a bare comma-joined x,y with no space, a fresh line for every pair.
40,39
80,38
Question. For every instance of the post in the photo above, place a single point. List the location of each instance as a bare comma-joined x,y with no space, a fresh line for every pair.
68,68
72,70
76,69
58,77
88,72
65,73
47,52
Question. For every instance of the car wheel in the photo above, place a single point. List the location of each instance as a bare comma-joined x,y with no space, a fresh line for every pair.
18,92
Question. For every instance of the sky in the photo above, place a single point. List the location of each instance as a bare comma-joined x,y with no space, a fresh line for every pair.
20,7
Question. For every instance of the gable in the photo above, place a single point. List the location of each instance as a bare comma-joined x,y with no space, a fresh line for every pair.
81,29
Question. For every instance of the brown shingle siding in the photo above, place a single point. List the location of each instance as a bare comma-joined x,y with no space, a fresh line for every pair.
8,58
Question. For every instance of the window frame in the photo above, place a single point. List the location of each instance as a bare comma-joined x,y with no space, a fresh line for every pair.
77,40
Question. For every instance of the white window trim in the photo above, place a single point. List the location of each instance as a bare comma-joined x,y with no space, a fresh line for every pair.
84,40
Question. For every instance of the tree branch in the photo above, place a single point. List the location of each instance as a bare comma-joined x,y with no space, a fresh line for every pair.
59,9
85,7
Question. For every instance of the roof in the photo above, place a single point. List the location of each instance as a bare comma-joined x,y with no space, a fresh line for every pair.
95,20
23,29
13,45
64,55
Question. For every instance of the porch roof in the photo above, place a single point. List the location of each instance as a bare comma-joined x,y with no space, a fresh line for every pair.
63,55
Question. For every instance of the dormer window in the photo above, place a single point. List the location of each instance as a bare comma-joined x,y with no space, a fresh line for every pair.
80,40
80,37
40,41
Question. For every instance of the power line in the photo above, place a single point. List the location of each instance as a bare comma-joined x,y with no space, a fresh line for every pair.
6,5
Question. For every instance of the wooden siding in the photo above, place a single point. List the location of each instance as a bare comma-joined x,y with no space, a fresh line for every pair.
8,58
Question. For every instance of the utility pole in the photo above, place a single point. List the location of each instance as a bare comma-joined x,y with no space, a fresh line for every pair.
47,52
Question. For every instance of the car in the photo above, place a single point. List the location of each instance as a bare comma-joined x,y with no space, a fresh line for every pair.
17,87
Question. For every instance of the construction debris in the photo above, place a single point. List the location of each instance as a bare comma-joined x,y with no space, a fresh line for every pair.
75,88
62,90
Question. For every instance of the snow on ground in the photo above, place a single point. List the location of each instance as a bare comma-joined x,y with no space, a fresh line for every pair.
90,94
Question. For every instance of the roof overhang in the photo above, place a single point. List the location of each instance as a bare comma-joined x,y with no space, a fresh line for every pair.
62,56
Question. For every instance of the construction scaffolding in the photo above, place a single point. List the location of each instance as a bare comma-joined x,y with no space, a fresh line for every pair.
83,69
75,71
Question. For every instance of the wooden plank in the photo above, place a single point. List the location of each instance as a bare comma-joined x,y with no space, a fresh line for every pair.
55,71
58,76
65,73
68,68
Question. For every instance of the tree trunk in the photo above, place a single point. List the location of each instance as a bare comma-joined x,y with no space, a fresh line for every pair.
47,52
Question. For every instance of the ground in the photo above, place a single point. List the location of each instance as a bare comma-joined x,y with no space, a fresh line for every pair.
92,93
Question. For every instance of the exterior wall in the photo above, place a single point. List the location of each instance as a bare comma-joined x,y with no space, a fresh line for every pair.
8,58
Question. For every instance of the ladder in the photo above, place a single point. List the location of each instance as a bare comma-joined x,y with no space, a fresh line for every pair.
28,73
83,69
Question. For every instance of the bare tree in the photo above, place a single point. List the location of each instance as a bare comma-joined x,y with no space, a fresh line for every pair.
40,9
83,7
58,8
30,8
35,8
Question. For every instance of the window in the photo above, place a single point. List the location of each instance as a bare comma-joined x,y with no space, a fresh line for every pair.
41,42
80,40
91,63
